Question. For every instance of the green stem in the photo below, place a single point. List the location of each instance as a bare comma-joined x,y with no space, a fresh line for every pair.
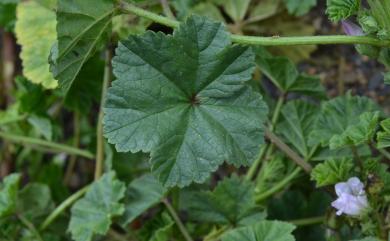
99,129
255,166
265,41
54,147
30,226
280,185
308,221
64,205
178,222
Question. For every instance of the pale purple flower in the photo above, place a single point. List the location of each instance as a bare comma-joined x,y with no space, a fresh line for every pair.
351,29
352,198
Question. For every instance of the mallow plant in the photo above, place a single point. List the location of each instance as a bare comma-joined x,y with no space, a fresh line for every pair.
118,131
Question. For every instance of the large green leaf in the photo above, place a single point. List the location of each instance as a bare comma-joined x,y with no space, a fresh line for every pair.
337,114
36,32
231,202
81,26
359,133
299,118
142,194
184,99
332,171
299,7
93,213
8,194
263,231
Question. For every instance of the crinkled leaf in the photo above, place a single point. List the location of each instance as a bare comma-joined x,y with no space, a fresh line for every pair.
36,32
299,119
337,114
93,213
183,99
357,134
341,9
383,137
332,171
231,202
81,26
35,201
142,194
299,7
262,231
8,194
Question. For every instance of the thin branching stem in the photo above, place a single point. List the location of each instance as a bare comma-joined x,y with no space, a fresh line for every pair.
177,220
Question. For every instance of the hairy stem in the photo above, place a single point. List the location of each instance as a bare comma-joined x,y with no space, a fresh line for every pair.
178,222
279,186
288,151
53,147
63,206
99,129
265,41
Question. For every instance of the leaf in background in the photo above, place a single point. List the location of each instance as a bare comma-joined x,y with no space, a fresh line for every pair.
262,231
280,70
299,7
87,86
357,134
332,171
34,201
8,194
383,137
236,9
299,118
341,9
367,239
141,194
93,213
337,114
32,97
208,10
36,32
309,85
81,26
231,202
190,108
159,228
42,125
7,15
263,10
273,171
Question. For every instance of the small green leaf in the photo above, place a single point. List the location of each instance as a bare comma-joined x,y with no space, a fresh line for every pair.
299,119
81,26
8,194
332,171
309,85
357,134
42,125
231,202
184,99
142,194
93,213
337,114
299,7
263,231
383,137
341,9
36,32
